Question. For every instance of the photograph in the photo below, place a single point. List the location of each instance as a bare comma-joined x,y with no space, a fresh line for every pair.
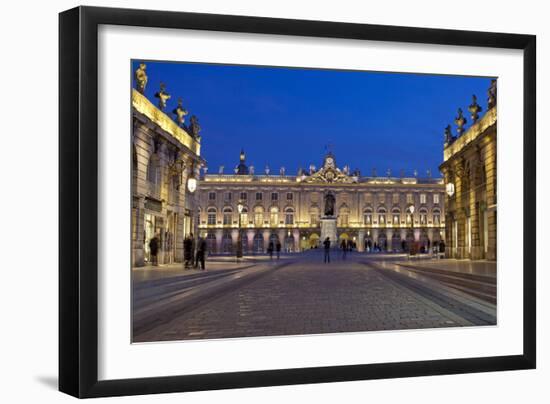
272,201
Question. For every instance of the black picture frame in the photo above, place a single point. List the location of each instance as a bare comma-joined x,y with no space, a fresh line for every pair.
78,201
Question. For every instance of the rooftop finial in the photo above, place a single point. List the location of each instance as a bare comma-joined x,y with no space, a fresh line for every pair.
180,112
448,135
194,127
474,109
492,94
163,96
141,78
460,122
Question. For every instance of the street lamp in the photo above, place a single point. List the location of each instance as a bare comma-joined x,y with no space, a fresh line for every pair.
240,208
411,210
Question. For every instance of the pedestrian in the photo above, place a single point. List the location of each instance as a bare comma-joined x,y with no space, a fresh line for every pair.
344,247
201,252
442,248
270,250
326,243
278,249
188,251
154,248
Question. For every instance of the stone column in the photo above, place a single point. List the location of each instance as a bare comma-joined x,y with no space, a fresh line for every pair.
361,240
219,235
296,235
138,230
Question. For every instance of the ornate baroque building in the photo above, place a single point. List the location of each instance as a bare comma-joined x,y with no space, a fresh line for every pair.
289,208
470,172
166,158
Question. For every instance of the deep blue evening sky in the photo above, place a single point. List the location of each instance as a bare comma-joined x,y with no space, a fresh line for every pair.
287,116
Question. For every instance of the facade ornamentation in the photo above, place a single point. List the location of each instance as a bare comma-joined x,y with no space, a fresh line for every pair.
141,78
492,94
163,96
194,127
474,109
460,122
180,113
329,173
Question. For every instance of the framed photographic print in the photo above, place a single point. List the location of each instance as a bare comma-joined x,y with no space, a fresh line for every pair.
251,201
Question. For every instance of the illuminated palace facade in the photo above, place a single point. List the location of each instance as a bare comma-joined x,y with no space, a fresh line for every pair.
470,173
165,165
290,208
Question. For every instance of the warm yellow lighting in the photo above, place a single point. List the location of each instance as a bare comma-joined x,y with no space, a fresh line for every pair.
192,184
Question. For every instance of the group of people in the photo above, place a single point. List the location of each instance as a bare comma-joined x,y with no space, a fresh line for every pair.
194,253
274,246
345,246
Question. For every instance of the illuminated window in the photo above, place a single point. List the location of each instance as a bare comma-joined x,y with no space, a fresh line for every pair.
227,216
244,216
368,198
437,217
381,197
395,219
367,218
423,217
258,216
410,199
289,216
422,198
211,212
274,216
436,198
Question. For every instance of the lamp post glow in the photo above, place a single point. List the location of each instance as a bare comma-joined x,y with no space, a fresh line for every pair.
240,208
411,210
192,184
450,189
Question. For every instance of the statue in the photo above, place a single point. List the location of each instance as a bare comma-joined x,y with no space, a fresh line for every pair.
251,170
415,173
448,135
429,173
474,109
141,78
194,127
220,171
492,94
388,172
180,113
460,122
163,96
267,170
374,173
282,171
329,204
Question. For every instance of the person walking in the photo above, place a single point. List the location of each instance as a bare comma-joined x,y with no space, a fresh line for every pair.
270,250
441,248
201,253
326,244
154,248
278,249
344,247
188,251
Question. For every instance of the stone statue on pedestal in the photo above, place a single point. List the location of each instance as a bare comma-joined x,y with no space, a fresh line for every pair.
141,78
329,204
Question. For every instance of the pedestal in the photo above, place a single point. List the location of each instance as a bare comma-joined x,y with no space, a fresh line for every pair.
328,229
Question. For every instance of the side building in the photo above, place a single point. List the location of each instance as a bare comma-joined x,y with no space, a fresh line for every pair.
470,172
166,162
290,208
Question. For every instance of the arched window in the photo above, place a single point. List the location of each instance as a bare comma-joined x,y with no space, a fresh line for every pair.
367,216
244,216
211,243
227,216
396,216
227,243
436,214
211,212
258,216
289,216
381,216
274,216
258,243
423,215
